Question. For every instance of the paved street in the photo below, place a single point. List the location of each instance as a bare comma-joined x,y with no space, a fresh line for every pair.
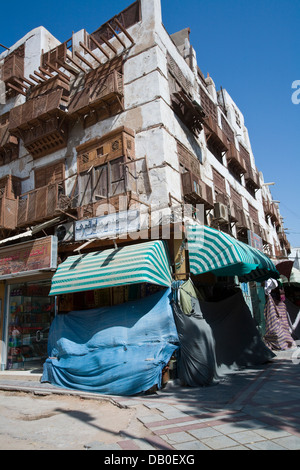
252,409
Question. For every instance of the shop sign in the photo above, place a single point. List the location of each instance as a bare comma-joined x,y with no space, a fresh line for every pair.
110,225
28,258
255,241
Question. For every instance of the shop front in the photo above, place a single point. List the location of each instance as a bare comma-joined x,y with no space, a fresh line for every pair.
26,269
115,331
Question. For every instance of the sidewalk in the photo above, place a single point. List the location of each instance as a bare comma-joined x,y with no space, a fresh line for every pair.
252,409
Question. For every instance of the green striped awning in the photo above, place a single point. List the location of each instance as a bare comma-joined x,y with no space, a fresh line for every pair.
213,251
144,262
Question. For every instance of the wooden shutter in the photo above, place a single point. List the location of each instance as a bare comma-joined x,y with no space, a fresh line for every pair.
85,188
49,175
253,213
219,181
100,189
117,180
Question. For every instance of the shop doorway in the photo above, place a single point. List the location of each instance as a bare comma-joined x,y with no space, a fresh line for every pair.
30,314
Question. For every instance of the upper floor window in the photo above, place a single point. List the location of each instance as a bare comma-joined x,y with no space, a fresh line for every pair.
104,167
102,182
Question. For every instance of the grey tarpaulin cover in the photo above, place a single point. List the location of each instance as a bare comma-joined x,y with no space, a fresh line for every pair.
215,337
197,364
293,312
238,342
196,358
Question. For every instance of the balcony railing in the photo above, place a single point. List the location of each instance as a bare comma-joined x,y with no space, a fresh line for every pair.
214,135
251,174
8,212
235,159
227,129
9,144
42,204
41,123
252,178
271,211
13,67
98,92
10,188
242,219
46,137
195,191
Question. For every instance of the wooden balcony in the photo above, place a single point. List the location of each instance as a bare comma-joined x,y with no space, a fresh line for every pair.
252,178
46,137
42,204
279,252
251,174
268,210
101,94
10,188
41,124
208,106
188,111
283,239
49,85
9,144
227,129
8,213
101,207
195,191
235,160
13,66
242,219
215,136
271,211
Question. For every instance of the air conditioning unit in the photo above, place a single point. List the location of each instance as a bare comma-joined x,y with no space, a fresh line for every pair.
65,232
221,212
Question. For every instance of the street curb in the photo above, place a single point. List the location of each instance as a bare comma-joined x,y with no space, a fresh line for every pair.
44,391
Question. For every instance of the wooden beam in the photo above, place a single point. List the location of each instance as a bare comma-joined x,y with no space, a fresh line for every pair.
109,44
16,88
76,64
59,72
27,81
35,79
80,57
124,30
46,72
17,80
100,47
86,49
66,67
115,34
38,74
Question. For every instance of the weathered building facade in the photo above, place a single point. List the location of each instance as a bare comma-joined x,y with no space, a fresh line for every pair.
121,119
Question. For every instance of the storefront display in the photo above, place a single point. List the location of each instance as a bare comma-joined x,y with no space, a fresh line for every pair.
31,313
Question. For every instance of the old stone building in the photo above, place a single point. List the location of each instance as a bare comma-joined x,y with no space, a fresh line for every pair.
119,122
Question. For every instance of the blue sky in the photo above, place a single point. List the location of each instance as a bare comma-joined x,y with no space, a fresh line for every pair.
249,47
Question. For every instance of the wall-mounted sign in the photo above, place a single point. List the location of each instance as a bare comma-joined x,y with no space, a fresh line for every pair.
255,241
110,225
28,258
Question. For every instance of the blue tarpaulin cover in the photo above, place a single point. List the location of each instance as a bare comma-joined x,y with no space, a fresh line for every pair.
118,350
